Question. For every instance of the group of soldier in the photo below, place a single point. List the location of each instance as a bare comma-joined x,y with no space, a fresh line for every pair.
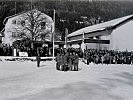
108,56
67,61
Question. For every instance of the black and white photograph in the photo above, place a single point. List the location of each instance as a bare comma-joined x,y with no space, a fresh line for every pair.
66,49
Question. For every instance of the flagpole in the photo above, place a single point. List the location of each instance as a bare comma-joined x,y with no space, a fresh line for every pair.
53,32
66,33
83,42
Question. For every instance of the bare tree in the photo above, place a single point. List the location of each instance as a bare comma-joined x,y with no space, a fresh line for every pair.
33,26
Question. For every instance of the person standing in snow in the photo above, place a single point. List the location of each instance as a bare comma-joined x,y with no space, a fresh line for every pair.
88,58
76,62
65,62
70,56
38,58
58,61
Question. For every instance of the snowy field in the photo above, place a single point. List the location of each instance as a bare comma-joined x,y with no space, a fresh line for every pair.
24,81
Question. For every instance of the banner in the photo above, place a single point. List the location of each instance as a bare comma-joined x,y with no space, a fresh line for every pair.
23,54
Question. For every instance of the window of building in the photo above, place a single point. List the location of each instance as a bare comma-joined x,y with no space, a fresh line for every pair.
43,25
13,21
18,22
97,37
13,34
90,37
22,22
0,39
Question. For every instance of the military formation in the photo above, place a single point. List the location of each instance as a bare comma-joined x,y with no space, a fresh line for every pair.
67,61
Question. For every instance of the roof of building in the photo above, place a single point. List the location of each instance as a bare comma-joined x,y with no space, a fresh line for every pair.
5,20
8,17
102,26
0,35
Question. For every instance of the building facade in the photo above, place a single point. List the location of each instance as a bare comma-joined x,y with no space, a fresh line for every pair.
116,34
26,23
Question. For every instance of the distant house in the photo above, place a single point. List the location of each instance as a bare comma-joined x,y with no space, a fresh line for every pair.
18,21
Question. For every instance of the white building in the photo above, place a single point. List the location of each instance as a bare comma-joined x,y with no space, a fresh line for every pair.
20,21
116,34
1,38
122,37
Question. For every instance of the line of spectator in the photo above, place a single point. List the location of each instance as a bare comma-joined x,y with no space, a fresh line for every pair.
91,55
6,50
108,56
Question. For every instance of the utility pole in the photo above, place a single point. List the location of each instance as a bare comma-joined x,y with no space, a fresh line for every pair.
66,33
83,43
53,32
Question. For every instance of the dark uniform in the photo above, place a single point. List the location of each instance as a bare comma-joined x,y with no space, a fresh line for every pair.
65,65
76,62
58,61
88,58
70,56
38,58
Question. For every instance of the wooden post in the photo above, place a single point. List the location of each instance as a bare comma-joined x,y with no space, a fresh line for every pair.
53,32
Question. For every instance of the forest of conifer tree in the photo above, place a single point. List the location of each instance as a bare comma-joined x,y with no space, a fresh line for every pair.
69,14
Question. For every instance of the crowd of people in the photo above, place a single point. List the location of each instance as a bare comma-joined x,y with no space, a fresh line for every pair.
108,56
25,46
91,55
6,50
67,60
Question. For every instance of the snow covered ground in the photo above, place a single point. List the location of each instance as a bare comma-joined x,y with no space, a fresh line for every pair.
24,81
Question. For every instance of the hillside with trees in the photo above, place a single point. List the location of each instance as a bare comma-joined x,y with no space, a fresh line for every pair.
70,14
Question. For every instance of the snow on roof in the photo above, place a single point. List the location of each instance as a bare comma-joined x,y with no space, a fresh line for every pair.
49,19
102,26
0,35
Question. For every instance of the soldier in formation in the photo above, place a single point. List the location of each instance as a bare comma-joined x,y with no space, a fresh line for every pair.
67,61
38,58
